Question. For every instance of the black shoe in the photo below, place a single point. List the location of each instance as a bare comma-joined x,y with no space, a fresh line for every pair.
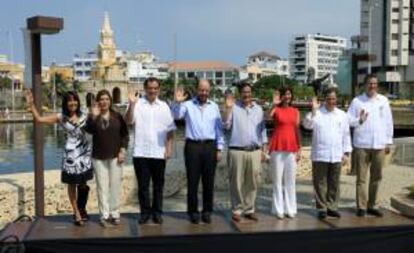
194,218
157,219
84,214
144,218
375,212
206,218
361,213
322,215
333,213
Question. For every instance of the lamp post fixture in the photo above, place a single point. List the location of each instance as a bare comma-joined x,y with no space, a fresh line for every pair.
37,26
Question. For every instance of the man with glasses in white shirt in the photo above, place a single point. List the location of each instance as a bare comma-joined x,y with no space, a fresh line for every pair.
331,145
154,126
371,117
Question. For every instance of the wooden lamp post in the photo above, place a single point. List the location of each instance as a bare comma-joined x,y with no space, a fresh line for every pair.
37,26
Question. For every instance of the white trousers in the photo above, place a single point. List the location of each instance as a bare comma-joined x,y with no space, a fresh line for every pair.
108,175
284,183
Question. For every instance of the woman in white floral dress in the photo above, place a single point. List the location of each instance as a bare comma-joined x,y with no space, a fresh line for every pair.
76,163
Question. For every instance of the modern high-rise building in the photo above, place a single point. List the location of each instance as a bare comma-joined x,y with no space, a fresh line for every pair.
314,56
387,29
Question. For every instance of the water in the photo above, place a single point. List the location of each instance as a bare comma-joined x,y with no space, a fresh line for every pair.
16,147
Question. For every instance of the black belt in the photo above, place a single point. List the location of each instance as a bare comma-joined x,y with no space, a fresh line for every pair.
208,141
247,148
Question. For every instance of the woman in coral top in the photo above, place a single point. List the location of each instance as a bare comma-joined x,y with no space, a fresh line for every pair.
284,152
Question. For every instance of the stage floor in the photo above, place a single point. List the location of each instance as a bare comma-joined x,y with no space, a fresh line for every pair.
177,224
391,233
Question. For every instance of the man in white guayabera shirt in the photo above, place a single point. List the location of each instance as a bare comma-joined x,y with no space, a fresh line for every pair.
371,117
331,145
154,126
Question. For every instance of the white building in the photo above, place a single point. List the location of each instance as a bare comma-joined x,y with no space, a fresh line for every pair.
387,26
143,65
314,56
263,64
82,66
219,73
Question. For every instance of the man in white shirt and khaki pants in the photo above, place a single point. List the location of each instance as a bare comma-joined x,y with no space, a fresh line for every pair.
331,145
371,117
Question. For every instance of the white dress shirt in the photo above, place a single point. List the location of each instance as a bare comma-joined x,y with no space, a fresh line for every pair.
377,131
331,135
152,122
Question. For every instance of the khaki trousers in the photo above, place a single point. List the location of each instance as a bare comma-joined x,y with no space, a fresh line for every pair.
326,179
244,169
371,160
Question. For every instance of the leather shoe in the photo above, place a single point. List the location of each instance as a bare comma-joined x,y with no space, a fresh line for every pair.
322,215
236,217
375,212
251,216
361,213
194,218
206,218
333,213
157,219
144,218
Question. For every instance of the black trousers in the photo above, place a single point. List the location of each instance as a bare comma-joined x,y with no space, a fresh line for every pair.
200,162
147,169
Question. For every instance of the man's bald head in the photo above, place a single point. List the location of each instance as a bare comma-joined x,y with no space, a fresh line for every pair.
203,90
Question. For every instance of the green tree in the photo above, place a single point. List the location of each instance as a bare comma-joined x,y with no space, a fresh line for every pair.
264,88
167,87
5,83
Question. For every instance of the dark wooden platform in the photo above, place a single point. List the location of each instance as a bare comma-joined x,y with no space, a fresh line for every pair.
55,229
177,224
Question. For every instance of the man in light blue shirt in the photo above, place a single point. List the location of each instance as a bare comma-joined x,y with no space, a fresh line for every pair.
203,145
247,147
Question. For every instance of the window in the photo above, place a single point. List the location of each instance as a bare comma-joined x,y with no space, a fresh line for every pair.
228,74
394,52
395,36
200,74
209,74
219,74
190,74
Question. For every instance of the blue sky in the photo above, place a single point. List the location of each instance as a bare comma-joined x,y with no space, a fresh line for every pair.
227,30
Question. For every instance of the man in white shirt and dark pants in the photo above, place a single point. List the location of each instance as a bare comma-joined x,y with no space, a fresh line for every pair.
371,118
154,127
331,145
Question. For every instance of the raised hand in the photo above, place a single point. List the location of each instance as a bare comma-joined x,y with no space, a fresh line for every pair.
276,98
229,101
315,104
180,95
95,110
132,98
363,115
